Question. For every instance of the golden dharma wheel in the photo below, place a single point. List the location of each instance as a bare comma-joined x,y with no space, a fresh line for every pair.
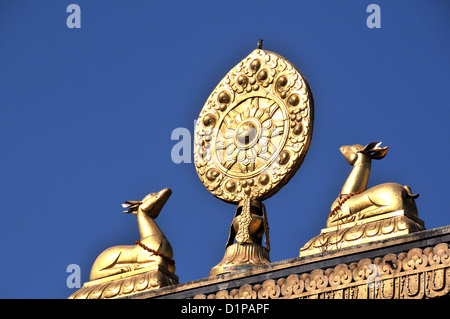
255,129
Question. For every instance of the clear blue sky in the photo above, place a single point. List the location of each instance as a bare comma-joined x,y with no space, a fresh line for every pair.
87,116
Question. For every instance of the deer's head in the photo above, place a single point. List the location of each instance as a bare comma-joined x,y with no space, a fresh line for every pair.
371,151
350,152
150,204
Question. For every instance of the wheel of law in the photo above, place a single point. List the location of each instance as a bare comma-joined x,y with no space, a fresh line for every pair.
255,129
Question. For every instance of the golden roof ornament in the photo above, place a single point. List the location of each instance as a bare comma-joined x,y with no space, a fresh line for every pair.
254,129
125,270
359,214
250,139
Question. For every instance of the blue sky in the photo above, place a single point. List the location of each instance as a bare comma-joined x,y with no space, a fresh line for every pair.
87,116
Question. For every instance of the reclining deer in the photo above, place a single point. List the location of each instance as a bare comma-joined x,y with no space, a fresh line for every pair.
152,249
356,202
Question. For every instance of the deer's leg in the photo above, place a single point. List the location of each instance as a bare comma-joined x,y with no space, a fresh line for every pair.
118,269
114,260
345,211
380,199
390,197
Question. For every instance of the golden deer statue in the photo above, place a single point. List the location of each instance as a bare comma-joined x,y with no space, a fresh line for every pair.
356,202
152,250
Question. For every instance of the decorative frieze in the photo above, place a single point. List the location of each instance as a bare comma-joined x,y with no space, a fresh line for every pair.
416,274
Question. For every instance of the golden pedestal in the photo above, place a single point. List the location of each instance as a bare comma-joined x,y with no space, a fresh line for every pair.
363,231
241,256
126,284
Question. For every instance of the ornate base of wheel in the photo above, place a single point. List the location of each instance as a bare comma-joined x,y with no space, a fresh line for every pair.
241,256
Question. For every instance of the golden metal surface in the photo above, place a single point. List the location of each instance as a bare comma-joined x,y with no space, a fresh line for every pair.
250,139
360,215
127,284
249,224
152,251
241,256
381,227
377,200
248,227
254,129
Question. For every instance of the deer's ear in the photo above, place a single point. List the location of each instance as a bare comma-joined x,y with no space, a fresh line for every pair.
131,205
380,153
370,146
